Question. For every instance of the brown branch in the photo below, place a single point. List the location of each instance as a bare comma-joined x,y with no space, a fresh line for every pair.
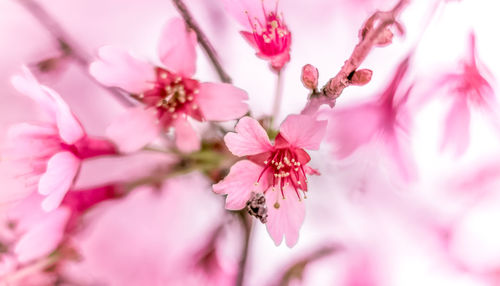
246,222
67,46
296,270
373,33
202,39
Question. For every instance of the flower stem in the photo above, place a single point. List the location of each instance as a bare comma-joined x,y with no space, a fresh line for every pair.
67,46
277,97
202,39
247,224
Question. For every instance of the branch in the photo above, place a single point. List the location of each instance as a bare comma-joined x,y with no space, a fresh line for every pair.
202,39
67,46
246,222
374,32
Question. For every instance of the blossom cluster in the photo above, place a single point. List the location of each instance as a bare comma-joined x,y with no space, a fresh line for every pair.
142,202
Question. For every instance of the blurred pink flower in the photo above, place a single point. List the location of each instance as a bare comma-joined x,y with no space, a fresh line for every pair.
382,118
469,90
170,94
49,154
155,247
269,34
281,168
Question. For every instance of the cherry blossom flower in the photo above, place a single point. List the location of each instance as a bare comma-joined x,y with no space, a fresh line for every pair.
269,34
155,246
469,90
169,93
383,118
279,171
48,155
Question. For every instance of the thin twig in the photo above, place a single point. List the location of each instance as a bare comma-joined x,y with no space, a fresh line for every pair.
202,39
67,46
247,224
370,34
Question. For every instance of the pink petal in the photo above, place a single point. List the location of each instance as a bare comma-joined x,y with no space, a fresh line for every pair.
186,138
250,138
399,150
456,132
350,128
249,37
133,129
43,237
303,131
70,129
117,67
221,101
176,48
240,183
28,85
285,220
56,181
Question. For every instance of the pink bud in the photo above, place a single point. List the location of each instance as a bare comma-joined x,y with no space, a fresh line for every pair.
310,76
361,77
385,38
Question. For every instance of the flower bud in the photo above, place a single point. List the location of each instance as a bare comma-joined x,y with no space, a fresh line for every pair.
361,77
385,38
310,76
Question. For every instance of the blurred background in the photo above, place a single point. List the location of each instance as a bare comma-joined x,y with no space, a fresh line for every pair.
365,225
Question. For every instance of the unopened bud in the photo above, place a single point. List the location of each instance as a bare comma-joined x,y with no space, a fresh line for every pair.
361,77
385,38
309,77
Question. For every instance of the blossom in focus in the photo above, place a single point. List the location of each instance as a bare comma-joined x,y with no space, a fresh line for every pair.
48,155
269,34
169,93
383,118
469,89
278,171
155,247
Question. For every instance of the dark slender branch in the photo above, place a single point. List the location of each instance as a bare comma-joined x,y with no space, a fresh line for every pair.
296,270
246,222
375,28
202,39
67,46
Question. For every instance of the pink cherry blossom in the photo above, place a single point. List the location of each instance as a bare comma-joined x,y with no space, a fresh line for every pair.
48,155
155,246
383,118
169,93
279,171
469,90
269,34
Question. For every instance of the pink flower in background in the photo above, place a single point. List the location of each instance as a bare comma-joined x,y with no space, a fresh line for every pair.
170,93
279,171
469,89
155,246
382,118
48,155
269,34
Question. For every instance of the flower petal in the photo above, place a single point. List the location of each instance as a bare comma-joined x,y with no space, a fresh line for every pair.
456,129
221,101
186,138
350,128
70,129
58,178
43,237
117,67
177,48
285,220
303,131
28,85
240,183
250,138
133,129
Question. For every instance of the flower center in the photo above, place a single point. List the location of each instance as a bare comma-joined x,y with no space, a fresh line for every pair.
272,37
172,96
286,169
